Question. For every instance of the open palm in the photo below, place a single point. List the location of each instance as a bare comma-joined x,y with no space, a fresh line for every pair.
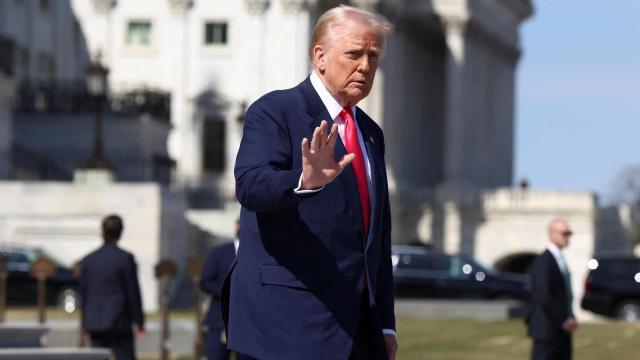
319,166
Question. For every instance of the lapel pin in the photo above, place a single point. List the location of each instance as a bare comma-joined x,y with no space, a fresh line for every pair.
371,139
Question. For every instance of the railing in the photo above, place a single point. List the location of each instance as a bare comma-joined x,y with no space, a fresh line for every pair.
28,165
150,101
7,47
209,196
73,97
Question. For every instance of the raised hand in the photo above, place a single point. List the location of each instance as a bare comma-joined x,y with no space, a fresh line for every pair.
319,166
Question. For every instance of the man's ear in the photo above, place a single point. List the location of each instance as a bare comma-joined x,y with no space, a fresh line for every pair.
319,58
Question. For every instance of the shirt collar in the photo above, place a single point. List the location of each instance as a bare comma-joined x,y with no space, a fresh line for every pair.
332,105
554,249
557,254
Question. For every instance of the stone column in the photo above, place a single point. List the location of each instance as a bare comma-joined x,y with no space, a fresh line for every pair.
102,25
256,52
6,92
297,25
452,228
257,7
454,114
373,104
370,5
183,141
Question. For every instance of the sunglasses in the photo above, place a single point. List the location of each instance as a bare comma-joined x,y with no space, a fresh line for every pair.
567,233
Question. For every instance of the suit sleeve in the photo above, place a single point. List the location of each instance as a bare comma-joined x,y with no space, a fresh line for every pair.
264,178
543,293
133,292
385,296
211,276
83,294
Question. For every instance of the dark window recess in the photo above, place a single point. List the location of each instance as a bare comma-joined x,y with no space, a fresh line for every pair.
215,33
139,33
213,145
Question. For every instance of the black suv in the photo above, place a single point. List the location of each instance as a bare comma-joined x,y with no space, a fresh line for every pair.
419,272
612,288
62,287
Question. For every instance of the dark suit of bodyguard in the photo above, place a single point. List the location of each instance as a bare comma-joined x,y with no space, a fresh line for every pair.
307,283
111,301
551,321
214,270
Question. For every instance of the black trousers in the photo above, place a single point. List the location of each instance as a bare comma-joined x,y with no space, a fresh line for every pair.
216,350
363,343
120,342
552,350
368,343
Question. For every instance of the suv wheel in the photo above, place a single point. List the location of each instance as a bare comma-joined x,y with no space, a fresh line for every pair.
68,300
628,310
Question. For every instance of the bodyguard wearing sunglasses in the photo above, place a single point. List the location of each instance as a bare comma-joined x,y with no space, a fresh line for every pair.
551,321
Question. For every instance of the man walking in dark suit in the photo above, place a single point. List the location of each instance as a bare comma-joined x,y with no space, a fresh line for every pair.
214,270
313,277
110,294
552,321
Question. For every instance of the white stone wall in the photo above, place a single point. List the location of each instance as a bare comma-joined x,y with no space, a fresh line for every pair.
64,220
255,60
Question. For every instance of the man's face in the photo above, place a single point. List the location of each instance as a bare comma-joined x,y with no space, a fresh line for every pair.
348,65
560,234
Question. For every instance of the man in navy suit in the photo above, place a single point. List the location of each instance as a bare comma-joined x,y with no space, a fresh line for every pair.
214,271
551,321
110,294
313,277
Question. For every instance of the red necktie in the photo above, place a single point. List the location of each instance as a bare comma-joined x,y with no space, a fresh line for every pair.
352,144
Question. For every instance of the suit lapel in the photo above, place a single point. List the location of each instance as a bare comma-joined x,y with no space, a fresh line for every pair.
556,268
317,112
375,160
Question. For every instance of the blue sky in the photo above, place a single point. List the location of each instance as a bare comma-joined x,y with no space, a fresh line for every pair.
578,100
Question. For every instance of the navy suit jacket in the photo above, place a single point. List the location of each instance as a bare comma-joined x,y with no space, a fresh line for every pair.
549,299
295,287
214,270
109,291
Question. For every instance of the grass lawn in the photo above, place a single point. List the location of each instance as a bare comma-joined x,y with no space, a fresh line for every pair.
422,339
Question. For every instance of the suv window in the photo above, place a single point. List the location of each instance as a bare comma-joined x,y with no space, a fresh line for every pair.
17,258
455,267
16,261
619,268
451,265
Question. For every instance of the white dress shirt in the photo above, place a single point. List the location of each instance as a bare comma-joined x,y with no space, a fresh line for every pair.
555,251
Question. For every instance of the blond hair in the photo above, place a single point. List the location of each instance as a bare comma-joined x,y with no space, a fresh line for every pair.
336,19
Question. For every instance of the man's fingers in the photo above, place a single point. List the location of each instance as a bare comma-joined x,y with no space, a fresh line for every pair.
305,148
315,140
323,134
346,160
333,135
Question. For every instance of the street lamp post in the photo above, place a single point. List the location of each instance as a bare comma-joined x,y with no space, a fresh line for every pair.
97,87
